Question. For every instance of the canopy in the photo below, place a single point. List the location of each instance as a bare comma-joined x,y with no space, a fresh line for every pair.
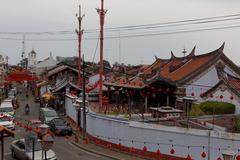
20,75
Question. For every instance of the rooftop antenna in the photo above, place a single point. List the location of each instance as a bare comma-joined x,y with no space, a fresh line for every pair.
184,52
23,47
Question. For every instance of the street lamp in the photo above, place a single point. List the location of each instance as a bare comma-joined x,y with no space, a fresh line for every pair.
229,154
47,143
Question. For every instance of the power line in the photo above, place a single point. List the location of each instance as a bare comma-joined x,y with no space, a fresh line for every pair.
131,36
138,27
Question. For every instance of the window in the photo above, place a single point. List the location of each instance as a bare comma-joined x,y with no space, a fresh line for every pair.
20,145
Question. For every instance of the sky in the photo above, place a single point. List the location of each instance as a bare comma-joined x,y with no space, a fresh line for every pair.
60,15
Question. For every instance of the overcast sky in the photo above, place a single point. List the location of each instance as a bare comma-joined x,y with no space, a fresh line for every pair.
59,15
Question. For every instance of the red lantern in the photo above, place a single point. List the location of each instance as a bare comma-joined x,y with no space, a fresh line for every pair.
189,157
203,155
172,151
76,139
29,128
158,152
144,149
132,149
97,141
231,97
221,97
238,157
109,146
219,158
58,131
201,95
211,95
193,94
37,130
119,145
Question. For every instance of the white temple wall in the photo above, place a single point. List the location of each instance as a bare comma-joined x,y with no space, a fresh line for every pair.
117,130
203,83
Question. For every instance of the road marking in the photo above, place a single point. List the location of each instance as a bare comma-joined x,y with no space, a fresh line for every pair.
88,152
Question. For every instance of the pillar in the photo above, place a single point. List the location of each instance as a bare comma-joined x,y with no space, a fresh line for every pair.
146,104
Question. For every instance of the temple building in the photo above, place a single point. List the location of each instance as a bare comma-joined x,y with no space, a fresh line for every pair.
179,82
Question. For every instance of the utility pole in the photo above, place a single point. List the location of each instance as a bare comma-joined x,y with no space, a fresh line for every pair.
23,52
84,103
101,13
79,33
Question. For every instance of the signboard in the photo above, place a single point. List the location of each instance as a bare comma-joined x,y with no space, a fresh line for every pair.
29,139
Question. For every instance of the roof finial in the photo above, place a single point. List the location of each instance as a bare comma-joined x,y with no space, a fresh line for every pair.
222,47
172,55
184,52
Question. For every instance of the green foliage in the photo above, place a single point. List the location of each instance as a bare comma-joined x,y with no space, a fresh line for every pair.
196,111
212,107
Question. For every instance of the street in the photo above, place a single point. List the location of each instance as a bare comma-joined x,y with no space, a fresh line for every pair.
63,148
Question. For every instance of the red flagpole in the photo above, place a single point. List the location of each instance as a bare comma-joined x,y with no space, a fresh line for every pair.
101,13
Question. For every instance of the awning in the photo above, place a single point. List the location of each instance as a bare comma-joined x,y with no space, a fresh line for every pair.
7,131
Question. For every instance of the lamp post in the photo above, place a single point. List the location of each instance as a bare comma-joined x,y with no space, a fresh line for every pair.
78,109
47,143
229,154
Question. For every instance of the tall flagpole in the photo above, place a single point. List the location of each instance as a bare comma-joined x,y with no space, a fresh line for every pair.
79,33
101,13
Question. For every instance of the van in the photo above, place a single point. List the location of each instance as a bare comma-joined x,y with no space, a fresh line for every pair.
47,114
7,107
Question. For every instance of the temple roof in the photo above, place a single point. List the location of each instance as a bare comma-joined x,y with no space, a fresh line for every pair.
176,70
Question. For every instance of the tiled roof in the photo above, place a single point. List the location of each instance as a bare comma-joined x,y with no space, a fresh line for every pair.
173,70
235,83
178,69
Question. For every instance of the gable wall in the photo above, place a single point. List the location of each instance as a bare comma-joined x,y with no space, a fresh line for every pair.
207,80
226,98
203,83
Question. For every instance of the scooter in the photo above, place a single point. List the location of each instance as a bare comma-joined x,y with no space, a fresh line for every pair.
27,110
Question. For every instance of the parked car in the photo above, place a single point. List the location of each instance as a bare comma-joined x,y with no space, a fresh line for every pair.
6,120
37,99
47,114
60,127
7,107
18,150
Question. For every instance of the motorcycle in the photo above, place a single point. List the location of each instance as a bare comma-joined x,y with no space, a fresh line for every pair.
27,110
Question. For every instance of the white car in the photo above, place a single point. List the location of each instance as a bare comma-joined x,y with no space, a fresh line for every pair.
6,120
18,150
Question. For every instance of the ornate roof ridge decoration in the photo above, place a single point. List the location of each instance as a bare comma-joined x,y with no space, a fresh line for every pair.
173,56
192,53
220,70
222,47
216,55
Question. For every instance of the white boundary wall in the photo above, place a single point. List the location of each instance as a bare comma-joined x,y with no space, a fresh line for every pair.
112,129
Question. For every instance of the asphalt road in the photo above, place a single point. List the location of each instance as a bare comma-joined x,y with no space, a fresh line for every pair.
63,149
